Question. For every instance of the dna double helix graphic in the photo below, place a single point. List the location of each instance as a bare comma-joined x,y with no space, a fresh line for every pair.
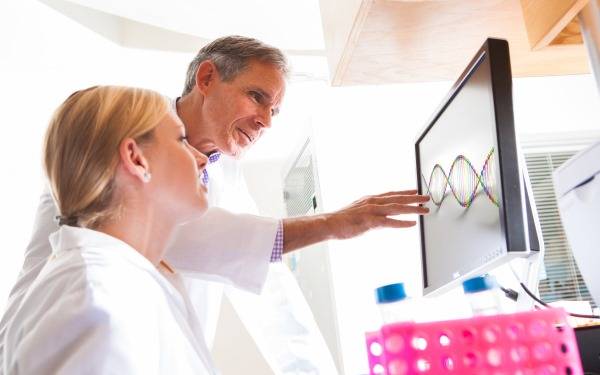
463,181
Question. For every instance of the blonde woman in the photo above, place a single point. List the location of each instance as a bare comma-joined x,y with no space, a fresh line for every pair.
123,177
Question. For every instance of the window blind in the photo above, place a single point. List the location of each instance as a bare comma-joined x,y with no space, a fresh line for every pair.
563,280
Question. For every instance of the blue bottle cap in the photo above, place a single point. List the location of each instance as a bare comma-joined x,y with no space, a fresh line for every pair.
390,293
479,284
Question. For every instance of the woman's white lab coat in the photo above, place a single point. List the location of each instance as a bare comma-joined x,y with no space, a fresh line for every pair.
25,334
100,307
228,248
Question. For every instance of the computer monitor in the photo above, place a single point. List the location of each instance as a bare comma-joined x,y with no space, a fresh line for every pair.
467,161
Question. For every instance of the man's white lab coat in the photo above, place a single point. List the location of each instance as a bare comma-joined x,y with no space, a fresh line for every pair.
100,307
212,251
279,319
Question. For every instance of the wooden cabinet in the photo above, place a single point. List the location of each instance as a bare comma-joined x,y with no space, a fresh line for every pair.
388,41
552,22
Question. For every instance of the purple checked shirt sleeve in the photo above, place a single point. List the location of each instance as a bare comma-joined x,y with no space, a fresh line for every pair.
277,252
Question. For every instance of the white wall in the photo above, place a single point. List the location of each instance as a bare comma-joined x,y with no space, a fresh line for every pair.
44,58
556,104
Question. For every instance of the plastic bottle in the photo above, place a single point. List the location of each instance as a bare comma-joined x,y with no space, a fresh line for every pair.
483,295
394,304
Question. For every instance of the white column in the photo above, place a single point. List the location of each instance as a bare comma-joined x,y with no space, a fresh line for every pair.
589,20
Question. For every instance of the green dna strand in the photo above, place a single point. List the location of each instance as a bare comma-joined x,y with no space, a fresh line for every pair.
463,181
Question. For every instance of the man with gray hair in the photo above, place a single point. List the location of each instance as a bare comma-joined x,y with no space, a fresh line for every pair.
233,88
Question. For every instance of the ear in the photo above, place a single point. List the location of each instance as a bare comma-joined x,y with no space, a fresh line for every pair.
205,75
132,159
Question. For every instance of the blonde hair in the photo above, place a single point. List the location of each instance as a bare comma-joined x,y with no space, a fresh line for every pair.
81,147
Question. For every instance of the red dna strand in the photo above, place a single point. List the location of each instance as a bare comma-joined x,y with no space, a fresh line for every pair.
463,180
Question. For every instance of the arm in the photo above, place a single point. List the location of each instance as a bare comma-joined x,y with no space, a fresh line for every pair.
361,216
36,254
38,250
226,247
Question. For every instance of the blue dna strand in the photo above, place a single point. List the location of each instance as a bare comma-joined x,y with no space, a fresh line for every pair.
463,181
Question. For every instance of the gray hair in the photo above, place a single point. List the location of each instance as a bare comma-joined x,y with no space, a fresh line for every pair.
231,55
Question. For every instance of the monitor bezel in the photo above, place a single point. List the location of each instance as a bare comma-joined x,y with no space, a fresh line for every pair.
512,208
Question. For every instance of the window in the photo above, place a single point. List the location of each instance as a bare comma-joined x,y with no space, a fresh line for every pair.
562,280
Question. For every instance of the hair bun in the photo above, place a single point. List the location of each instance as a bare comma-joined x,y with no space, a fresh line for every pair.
67,220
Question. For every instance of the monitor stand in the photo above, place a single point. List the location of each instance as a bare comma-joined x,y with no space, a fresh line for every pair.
528,270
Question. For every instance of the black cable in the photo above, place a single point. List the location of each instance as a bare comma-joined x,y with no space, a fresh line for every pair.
509,293
546,305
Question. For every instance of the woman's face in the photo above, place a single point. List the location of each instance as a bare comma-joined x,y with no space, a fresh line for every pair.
175,167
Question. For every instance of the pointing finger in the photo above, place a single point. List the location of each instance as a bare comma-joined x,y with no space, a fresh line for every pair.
401,199
401,192
398,209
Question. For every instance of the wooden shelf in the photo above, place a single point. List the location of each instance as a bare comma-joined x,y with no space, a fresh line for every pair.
429,40
552,22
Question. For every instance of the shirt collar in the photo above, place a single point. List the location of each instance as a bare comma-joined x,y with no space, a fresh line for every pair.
214,156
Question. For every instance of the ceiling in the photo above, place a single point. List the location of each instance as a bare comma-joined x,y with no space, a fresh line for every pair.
187,25
294,26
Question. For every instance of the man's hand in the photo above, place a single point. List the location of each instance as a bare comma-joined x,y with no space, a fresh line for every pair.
364,214
374,212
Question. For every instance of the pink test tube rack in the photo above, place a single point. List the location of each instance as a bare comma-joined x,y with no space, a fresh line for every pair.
529,343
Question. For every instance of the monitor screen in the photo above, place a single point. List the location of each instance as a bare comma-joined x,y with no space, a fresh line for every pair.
467,163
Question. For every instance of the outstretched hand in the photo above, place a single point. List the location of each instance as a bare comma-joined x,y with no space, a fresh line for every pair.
374,212
366,213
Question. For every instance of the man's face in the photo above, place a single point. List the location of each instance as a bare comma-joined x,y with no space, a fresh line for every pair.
239,111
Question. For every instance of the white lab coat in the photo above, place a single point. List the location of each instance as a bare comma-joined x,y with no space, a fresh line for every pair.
212,251
100,307
244,267
279,319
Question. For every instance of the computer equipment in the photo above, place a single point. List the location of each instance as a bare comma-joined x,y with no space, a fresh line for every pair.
577,186
468,162
588,341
